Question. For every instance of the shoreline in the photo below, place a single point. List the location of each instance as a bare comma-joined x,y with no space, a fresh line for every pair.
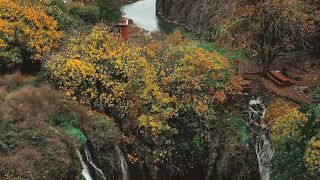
160,14
126,2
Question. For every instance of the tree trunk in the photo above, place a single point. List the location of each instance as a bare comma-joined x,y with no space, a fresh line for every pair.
258,62
266,64
213,170
265,68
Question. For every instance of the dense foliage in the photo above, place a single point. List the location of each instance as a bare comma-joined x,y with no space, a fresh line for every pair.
40,132
268,28
27,32
90,12
30,29
169,91
295,137
179,108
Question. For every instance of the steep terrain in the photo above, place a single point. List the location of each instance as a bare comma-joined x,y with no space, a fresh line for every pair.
197,15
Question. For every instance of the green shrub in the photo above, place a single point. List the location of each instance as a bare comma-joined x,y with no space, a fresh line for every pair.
316,95
65,20
79,135
109,10
88,13
99,128
31,146
60,4
240,126
10,59
67,120
70,122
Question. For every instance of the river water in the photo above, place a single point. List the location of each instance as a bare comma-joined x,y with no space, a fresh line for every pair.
143,13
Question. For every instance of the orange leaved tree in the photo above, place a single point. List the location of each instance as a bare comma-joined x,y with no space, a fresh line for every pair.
27,32
268,28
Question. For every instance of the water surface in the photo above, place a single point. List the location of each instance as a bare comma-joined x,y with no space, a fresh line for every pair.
143,13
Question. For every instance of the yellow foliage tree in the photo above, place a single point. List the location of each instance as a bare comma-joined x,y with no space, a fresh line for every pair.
145,86
288,126
312,157
26,27
278,107
101,70
193,75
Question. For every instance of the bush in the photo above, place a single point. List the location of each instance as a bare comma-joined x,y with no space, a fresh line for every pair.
67,120
60,11
295,138
109,74
31,147
27,32
316,95
102,132
79,135
312,157
10,59
109,10
88,13
39,130
59,4
166,90
77,13
241,128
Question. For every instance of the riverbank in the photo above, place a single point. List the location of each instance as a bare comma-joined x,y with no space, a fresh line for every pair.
126,2
143,13
174,22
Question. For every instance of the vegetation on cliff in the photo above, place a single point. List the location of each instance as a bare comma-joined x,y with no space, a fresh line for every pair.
176,110
264,30
40,132
295,138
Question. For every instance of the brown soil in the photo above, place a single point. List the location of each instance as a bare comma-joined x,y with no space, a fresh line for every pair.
300,91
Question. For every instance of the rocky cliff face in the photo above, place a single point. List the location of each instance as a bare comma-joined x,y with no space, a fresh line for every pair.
197,15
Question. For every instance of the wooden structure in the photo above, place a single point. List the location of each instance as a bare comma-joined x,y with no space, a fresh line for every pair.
123,28
279,78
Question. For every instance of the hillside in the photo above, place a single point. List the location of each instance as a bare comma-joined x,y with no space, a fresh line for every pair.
85,94
197,15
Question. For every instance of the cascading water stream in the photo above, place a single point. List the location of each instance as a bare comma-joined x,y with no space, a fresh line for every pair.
85,170
124,166
89,159
260,137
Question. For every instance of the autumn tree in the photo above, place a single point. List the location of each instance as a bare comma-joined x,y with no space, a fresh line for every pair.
167,95
314,14
277,108
268,28
101,70
295,140
202,82
27,32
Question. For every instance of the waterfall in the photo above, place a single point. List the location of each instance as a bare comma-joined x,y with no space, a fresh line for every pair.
124,166
89,159
261,142
85,170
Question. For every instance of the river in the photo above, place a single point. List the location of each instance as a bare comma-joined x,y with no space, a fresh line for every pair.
143,14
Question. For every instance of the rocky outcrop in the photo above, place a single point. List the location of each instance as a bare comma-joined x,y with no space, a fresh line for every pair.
197,15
